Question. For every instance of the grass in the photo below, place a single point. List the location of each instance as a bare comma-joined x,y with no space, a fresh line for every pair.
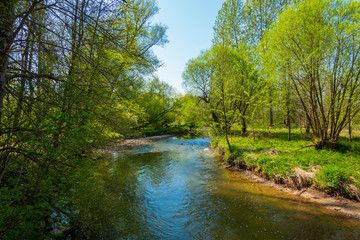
336,171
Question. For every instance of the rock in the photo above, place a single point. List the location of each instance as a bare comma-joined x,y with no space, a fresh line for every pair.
61,231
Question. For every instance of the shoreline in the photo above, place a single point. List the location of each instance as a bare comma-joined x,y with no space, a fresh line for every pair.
123,144
339,204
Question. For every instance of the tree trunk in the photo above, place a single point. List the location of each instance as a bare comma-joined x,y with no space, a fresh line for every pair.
271,116
350,138
3,69
226,123
214,117
307,127
243,126
289,125
7,19
227,140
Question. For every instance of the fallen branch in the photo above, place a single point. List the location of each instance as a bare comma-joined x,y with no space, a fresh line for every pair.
307,146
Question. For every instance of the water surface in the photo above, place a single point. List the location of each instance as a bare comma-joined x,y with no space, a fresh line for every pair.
176,189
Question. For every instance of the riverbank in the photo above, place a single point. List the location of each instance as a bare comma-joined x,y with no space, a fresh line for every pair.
329,177
120,144
123,144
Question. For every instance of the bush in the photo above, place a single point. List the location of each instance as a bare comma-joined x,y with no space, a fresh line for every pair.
332,177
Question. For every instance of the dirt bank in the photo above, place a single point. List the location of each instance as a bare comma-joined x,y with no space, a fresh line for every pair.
339,204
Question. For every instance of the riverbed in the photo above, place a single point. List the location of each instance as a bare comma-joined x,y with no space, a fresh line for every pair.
176,188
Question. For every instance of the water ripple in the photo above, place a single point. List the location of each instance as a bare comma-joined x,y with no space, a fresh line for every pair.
175,189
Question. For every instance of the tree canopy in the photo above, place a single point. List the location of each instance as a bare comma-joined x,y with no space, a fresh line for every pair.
72,73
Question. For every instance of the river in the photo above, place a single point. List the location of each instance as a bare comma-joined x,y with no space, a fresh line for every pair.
177,189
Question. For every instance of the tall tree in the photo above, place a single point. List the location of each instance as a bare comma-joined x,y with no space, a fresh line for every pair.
221,86
197,78
258,15
319,41
229,31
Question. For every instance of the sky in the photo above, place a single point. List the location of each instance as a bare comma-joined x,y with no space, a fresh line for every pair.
190,30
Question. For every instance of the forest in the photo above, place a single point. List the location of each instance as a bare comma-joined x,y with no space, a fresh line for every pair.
279,89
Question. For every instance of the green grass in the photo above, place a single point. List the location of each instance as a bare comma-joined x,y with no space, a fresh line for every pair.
271,153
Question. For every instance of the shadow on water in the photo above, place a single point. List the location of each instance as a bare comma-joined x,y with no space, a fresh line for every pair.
175,189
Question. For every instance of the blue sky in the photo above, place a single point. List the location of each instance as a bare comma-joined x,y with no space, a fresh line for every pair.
190,24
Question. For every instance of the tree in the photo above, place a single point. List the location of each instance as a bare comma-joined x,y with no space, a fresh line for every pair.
197,78
158,100
317,42
229,31
258,15
70,71
229,24
191,112
221,86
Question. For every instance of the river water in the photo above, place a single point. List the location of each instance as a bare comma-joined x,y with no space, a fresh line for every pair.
177,189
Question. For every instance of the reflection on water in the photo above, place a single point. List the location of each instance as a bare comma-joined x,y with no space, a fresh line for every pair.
175,189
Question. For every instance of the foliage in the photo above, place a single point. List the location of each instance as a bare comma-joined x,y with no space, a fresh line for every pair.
158,101
191,111
71,73
315,43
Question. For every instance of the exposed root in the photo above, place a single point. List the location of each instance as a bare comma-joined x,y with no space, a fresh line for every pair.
271,152
353,191
320,145
304,178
